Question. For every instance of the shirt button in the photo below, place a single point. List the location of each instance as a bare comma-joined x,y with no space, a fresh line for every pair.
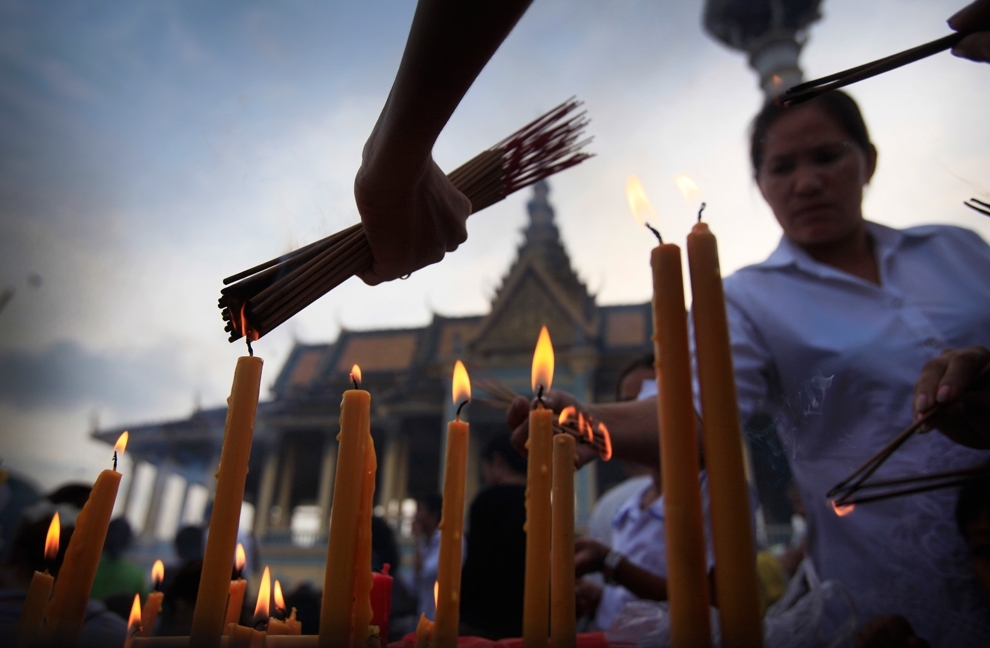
897,302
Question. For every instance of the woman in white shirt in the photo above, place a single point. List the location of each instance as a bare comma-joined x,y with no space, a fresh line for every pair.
829,336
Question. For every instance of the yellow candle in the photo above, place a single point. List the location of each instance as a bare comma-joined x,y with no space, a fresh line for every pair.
154,603
133,622
536,595
563,633
218,558
735,557
32,618
363,579
235,593
338,580
687,578
452,517
424,632
66,610
243,637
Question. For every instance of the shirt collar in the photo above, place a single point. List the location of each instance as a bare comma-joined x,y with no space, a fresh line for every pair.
886,239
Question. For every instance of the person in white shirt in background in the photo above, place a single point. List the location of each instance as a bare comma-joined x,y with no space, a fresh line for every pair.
427,534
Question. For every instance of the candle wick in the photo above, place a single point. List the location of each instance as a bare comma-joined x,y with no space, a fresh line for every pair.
115,460
701,210
539,394
655,232
354,381
247,338
459,408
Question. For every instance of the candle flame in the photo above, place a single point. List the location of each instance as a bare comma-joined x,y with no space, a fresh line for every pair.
638,202
240,559
690,191
51,540
356,375
436,594
606,452
264,596
543,361
246,329
565,414
121,444
842,510
158,573
134,621
279,599
462,384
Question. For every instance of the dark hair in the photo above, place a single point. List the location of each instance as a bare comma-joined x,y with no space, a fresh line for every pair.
432,503
119,537
28,548
189,543
974,498
836,104
645,362
501,446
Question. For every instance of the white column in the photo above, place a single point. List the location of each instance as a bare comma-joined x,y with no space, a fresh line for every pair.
286,478
155,505
266,492
327,475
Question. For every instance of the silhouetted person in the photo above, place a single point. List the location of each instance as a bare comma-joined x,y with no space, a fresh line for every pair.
494,570
180,600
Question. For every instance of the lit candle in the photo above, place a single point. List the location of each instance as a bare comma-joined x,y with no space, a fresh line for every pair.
286,626
563,633
66,610
263,604
425,632
735,557
452,517
235,593
687,579
339,577
536,595
133,622
362,553
33,613
221,542
243,637
154,603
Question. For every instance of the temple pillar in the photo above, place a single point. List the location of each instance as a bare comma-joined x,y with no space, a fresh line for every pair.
128,500
286,479
183,502
327,476
395,474
154,511
266,493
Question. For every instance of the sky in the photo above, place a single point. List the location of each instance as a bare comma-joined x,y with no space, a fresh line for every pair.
147,150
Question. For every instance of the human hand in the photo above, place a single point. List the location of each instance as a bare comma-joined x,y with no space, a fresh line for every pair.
589,556
411,218
952,376
888,631
517,418
974,17
587,596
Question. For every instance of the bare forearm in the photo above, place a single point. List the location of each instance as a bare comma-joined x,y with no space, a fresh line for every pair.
449,43
644,584
633,427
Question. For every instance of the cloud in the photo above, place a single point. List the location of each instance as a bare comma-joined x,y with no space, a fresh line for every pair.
64,376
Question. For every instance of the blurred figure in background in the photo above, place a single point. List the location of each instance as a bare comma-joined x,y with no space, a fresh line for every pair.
180,600
427,534
495,566
117,578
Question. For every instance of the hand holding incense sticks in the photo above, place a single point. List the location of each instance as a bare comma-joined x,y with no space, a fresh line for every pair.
263,297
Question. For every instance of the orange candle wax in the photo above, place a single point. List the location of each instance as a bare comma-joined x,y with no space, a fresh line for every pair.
32,619
563,632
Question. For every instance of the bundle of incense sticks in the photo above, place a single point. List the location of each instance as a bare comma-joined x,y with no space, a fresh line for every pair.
570,421
811,89
978,206
257,300
845,492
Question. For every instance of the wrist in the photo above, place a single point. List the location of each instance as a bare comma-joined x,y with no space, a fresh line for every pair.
610,564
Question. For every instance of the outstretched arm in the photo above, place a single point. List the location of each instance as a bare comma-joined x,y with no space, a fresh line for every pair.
411,212
974,17
957,375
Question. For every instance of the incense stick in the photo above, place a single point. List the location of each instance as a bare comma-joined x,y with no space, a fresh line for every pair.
811,89
914,485
978,206
265,296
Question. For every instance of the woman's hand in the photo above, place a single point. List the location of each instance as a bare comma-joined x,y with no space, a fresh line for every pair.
589,556
517,418
410,222
956,375
974,17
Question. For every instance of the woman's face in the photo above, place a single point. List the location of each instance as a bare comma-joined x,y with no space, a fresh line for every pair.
813,175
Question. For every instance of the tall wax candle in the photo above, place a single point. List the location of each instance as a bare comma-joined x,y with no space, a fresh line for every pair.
687,579
452,517
363,581
735,575
338,579
536,593
563,632
66,610
32,618
221,542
